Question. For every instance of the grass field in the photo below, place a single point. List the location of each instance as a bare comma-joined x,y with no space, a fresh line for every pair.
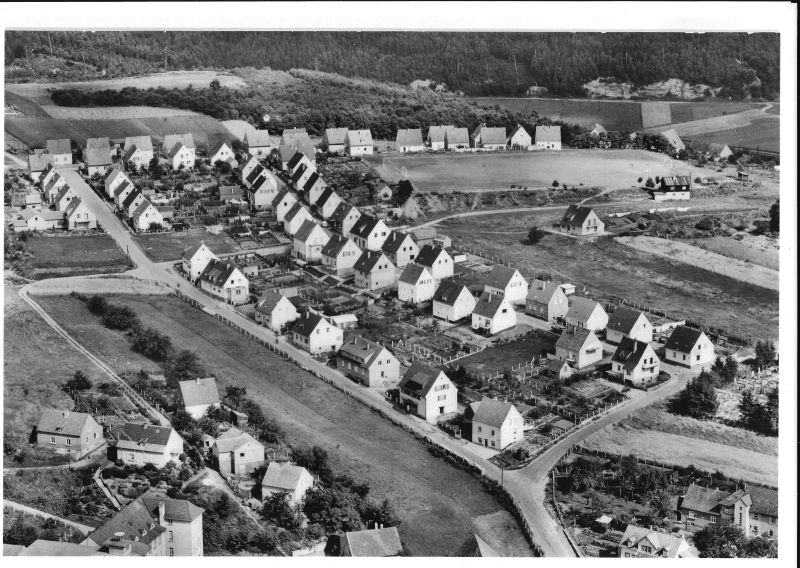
758,250
684,252
438,504
759,134
74,255
112,113
610,270
163,247
592,168
510,354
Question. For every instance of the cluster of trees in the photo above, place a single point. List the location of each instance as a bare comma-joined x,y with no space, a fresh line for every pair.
698,399
477,63
758,417
718,541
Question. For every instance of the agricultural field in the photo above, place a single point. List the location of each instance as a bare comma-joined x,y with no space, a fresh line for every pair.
428,493
534,170
759,134
608,270
512,354
112,113
760,250
71,256
163,247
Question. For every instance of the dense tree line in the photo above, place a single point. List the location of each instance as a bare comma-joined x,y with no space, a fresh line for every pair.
477,63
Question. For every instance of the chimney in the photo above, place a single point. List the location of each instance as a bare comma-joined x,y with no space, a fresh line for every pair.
162,508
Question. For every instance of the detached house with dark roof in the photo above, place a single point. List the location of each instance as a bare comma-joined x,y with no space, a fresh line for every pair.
344,218
635,362
453,302
225,281
195,260
316,334
493,314
221,152
409,140
60,151
369,363
581,221
427,392
282,203
753,510
507,283
579,347
370,232
287,151
627,322
309,241
374,271
199,395
77,216
66,431
263,190
674,188
327,203
313,188
416,285
257,143
37,164
689,347
546,300
437,260
495,424
275,311
400,248
295,218
142,444
339,255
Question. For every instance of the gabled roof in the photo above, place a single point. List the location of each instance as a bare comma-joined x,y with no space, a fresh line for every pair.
132,196
114,174
233,439
324,196
419,378
129,152
297,157
335,245
576,215
599,129
492,135
39,162
364,226
257,139
581,308
409,137
676,180
103,144
177,148
63,192
764,500
703,499
500,276
199,391
268,301
143,142
289,150
179,510
295,210
412,273
136,524
662,544
359,138
283,476
97,158
281,195
369,259
123,186
437,133
683,339
313,180
374,543
624,319
217,147
143,436
64,422
548,134
341,212
488,305
170,140
518,129
395,241
492,412
306,230
191,251
448,292
629,353
474,547
576,339
361,349
255,173
542,292
73,205
335,136
60,146
306,325
217,272
41,547
457,135
672,137
142,208
295,136
429,254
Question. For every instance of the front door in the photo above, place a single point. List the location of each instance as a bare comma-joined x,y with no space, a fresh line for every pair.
441,410
486,442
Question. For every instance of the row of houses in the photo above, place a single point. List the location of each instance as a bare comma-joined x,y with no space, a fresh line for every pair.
131,202
220,278
67,211
455,139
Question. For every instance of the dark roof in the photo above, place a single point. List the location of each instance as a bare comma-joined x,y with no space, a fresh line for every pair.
630,352
255,173
394,241
703,499
419,378
312,181
361,349
368,259
294,211
492,412
217,147
683,339
341,212
364,226
335,245
409,137
135,522
576,215
519,128
324,196
411,273
623,319
669,181
281,194
488,305
500,276
179,510
287,151
428,254
217,272
131,198
581,308
448,292
573,341
144,434
305,230
765,500
306,325
301,168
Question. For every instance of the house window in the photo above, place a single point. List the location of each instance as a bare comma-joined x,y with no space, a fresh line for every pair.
479,429
172,552
170,536
493,442
52,439
69,442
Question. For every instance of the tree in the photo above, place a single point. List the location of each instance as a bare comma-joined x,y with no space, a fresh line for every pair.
760,548
535,235
555,184
765,353
698,399
235,394
183,366
20,532
214,85
719,541
152,344
772,410
774,217
660,502
97,305
79,381
119,317
182,421
650,183
278,509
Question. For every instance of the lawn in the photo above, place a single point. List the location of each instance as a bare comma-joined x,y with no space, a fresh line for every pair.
610,270
163,247
510,354
74,255
759,250
428,494
535,170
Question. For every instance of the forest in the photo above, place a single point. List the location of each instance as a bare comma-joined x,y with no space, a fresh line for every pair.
474,63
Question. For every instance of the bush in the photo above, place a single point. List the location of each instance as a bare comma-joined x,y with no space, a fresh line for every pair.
152,344
97,305
650,183
119,317
79,381
535,235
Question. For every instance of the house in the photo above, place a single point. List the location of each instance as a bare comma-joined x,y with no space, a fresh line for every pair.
282,203
456,139
436,137
33,220
581,221
228,193
122,192
152,525
37,164
287,151
546,300
493,314
339,255
635,361
579,347
453,302
507,283
382,542
369,363
134,157
673,139
370,232
475,547
237,453
73,433
314,187
763,517
257,143
520,139
674,188
598,130
172,140
689,347
493,138
316,334
130,203
719,152
102,144
416,285
53,186
627,322
294,136
586,313
141,444
301,174
114,180
409,140
63,198
496,424
60,151
558,369
334,140
548,137
78,217
181,156
374,271
195,260
226,281
309,241
98,162
437,260
295,218
250,171
345,321
199,396
641,542
383,192
359,142
286,478
263,191
701,507
41,547
327,203
221,152
344,218
400,248
427,392
31,199
275,311
144,143
145,216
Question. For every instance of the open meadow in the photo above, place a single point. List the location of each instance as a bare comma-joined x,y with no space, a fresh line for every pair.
163,247
760,250
439,505
499,171
72,256
512,354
